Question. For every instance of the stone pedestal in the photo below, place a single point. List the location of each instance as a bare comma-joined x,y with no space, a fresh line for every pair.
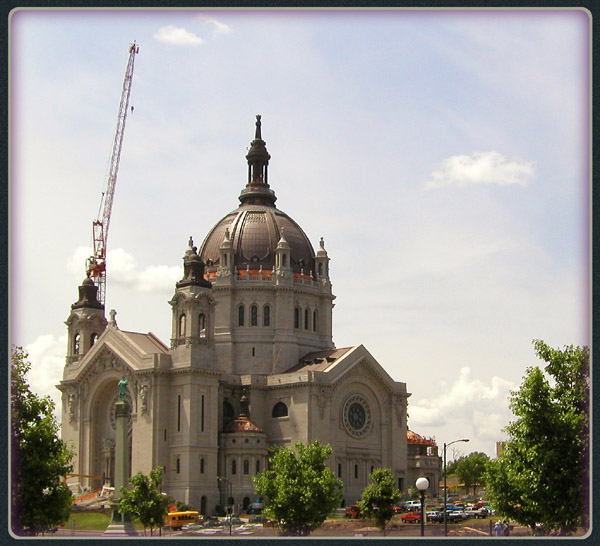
120,524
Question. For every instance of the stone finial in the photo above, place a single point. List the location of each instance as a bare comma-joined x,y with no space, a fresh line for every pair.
113,320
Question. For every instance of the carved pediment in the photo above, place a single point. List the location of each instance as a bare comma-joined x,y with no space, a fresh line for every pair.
105,361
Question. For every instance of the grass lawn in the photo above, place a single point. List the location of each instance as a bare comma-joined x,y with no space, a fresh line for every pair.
89,521
92,521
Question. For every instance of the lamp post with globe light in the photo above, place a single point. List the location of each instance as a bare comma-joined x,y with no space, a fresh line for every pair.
445,485
422,485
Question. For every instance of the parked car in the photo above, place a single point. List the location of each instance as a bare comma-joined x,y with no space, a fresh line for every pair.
435,516
399,509
210,521
353,512
456,515
411,517
192,527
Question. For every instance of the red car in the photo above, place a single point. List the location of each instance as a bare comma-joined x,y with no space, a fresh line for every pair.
411,517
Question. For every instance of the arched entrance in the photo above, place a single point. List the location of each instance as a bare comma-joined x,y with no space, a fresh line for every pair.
102,433
203,505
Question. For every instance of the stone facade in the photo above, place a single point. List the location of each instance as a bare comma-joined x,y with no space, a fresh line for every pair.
251,363
424,461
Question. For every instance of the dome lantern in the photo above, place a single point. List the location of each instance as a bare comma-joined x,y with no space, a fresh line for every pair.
257,189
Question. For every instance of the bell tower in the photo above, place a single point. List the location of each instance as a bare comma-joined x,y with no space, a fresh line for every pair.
86,321
192,338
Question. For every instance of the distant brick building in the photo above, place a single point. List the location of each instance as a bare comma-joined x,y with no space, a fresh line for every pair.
423,461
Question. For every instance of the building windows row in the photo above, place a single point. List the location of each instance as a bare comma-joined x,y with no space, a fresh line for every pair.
355,469
253,318
178,465
183,326
306,320
77,342
245,467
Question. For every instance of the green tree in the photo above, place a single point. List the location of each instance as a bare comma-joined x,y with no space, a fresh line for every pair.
299,490
470,470
144,500
40,499
379,497
541,476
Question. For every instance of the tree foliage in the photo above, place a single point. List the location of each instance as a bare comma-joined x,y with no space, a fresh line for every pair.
144,500
470,470
379,497
299,490
40,499
541,476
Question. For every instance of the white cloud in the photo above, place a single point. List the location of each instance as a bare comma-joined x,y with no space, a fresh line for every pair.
468,405
159,277
77,263
481,168
177,36
218,27
47,357
122,269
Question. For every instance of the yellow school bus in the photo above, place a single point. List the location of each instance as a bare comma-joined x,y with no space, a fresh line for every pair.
175,520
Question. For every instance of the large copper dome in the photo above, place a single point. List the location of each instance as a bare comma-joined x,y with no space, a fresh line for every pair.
257,225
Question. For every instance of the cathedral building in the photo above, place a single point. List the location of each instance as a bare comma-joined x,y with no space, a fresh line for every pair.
251,364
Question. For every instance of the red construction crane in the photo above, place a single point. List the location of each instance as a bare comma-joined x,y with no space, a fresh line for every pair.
96,265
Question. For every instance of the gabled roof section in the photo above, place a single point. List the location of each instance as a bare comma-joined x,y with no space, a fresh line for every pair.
319,361
146,343
136,350
333,366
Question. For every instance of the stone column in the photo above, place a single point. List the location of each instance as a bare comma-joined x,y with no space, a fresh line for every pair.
120,524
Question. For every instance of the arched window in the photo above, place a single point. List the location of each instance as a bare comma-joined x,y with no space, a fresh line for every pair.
233,467
284,260
257,466
279,410
306,317
225,260
76,340
296,318
241,315
93,339
178,465
266,315
339,470
253,315
315,320
320,270
202,465
246,503
246,467
356,471
202,325
182,325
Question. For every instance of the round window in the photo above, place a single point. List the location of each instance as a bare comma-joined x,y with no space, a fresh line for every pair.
356,415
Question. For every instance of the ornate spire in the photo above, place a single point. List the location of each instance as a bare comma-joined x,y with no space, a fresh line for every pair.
88,296
193,269
257,189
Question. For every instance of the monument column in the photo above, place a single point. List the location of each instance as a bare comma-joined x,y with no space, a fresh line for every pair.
120,524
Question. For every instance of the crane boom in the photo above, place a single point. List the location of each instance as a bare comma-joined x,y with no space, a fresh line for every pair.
96,266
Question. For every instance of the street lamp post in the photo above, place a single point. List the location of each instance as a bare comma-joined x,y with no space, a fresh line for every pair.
445,484
422,484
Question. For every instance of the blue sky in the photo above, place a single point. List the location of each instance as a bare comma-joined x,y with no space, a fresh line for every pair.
442,155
